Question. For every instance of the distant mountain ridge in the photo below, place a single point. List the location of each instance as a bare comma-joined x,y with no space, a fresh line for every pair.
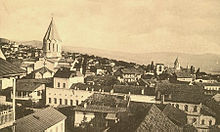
206,62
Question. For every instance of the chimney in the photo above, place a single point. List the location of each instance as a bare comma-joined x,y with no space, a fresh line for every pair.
142,91
163,99
112,91
85,105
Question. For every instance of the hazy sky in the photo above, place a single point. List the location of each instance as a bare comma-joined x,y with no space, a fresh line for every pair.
191,26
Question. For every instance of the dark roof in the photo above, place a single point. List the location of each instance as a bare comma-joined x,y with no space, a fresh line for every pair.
27,86
39,121
182,93
177,116
183,74
66,73
207,111
42,70
8,69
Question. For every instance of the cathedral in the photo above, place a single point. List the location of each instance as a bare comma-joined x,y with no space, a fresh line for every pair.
52,42
52,59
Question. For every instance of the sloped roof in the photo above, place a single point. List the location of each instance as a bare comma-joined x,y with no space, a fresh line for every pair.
2,55
8,69
52,33
27,86
42,70
183,74
177,116
39,121
182,93
64,72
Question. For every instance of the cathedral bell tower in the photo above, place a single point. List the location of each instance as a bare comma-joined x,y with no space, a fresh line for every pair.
52,42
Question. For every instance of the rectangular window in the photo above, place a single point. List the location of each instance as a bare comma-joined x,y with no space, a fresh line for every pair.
38,93
53,47
64,85
49,46
49,100
71,102
58,84
66,102
60,101
19,93
57,47
55,101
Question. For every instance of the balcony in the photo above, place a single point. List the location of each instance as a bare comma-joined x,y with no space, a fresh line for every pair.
6,115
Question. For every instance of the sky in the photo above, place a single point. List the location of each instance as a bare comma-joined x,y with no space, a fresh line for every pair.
137,26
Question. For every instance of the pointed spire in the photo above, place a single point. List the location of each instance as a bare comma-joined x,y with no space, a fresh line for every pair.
2,55
52,33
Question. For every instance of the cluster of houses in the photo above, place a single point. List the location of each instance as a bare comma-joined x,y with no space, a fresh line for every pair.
73,92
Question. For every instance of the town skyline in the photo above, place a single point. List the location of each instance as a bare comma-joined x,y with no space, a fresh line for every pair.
129,26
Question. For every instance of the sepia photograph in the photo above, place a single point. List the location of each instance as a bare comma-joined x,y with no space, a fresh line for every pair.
109,65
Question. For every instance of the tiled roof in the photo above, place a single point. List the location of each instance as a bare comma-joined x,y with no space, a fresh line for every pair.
177,116
8,69
182,93
39,121
27,86
207,111
183,74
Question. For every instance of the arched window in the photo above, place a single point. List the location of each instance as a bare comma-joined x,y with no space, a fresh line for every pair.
203,122
177,106
49,46
186,107
55,101
60,101
195,109
210,122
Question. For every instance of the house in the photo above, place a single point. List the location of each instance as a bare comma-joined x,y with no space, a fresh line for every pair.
64,78
128,75
66,97
109,106
42,72
211,88
190,99
183,76
27,90
46,120
159,69
8,75
145,117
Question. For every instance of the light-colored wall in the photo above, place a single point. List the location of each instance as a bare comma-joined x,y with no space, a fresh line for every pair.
190,107
77,79
57,80
6,82
59,127
80,116
185,79
66,94
67,81
33,95
216,88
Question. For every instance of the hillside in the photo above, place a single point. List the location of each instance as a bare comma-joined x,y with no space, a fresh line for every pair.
207,62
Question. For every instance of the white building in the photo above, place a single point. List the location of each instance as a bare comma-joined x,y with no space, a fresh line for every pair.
64,96
64,78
